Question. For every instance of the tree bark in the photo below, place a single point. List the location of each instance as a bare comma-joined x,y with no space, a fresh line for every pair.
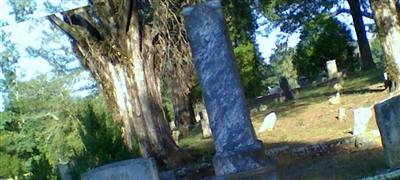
179,93
117,49
388,27
362,40
177,63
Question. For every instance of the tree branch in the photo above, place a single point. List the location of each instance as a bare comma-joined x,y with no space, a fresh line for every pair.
66,28
343,10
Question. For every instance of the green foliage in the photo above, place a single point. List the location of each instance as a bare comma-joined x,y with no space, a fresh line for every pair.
282,66
379,57
22,8
9,165
34,128
167,103
240,21
44,126
100,136
241,24
322,40
8,58
377,52
292,15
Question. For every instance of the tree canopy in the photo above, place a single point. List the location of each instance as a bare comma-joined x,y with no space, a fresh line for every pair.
323,40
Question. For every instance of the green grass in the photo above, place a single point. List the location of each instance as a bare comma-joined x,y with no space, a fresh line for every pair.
311,118
356,83
196,145
316,93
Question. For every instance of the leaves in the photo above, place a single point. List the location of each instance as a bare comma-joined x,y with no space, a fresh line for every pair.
323,40
47,126
242,25
282,66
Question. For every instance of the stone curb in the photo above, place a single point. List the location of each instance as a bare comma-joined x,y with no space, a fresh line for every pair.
389,174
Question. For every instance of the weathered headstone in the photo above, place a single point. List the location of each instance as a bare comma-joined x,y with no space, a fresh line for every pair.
332,69
335,99
133,169
175,136
237,148
361,118
268,123
63,172
388,119
205,124
174,131
172,125
303,82
197,117
341,114
274,90
287,91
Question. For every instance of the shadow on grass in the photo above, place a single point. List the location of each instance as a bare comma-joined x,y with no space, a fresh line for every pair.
363,91
331,160
324,96
341,165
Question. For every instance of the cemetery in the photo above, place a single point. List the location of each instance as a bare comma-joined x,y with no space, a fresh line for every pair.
172,90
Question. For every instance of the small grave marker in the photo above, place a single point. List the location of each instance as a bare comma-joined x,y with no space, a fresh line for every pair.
361,118
268,123
331,67
133,169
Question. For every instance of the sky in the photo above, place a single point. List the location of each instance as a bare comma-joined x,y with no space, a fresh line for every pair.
23,32
29,34
7,17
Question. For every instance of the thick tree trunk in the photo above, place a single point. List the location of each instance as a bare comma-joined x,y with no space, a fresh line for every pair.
362,40
132,92
388,27
118,51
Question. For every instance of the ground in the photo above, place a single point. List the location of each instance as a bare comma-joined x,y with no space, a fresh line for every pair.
310,120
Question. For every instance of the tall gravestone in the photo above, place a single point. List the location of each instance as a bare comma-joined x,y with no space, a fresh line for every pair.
237,148
361,119
287,91
331,67
388,119
205,124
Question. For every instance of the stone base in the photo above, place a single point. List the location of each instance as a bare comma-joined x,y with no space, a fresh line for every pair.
258,174
242,161
387,114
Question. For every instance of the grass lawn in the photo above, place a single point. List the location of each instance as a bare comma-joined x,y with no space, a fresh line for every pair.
310,119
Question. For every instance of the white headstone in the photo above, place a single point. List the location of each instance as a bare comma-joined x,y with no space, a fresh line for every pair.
342,114
268,123
172,125
175,136
198,118
361,119
133,169
335,99
331,68
205,124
